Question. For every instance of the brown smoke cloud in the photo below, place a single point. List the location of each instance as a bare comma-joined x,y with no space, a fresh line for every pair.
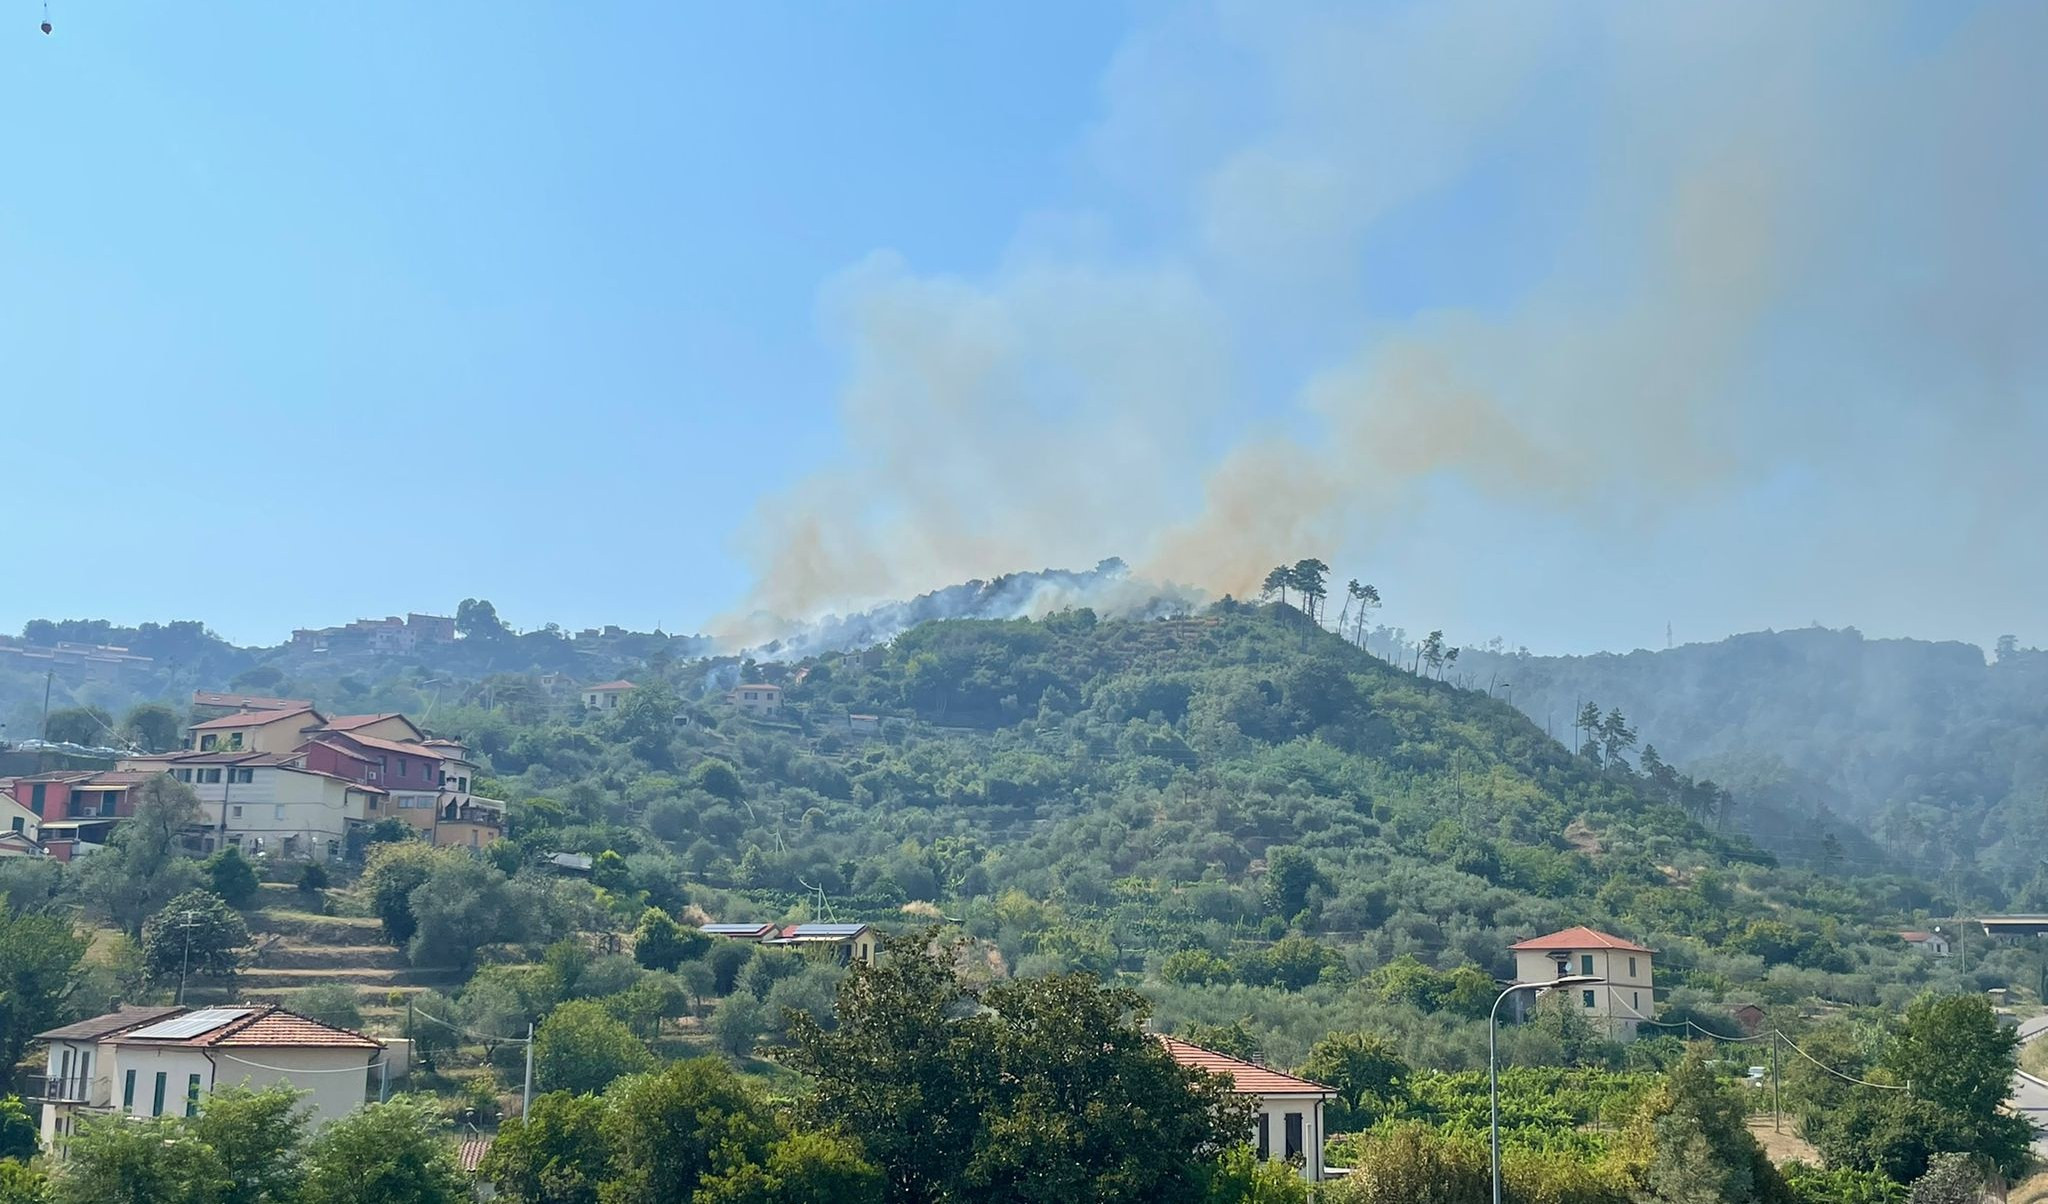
1776,220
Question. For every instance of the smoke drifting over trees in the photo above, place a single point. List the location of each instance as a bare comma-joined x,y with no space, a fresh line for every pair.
1526,275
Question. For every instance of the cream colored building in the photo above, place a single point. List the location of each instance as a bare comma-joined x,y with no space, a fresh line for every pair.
759,699
1624,997
267,803
161,1061
256,731
1288,1121
606,696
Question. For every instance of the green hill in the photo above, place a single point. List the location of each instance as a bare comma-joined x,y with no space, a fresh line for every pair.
1937,751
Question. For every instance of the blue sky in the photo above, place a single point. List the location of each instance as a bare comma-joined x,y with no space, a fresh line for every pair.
1559,327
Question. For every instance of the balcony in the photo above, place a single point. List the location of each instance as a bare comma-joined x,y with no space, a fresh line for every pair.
67,1089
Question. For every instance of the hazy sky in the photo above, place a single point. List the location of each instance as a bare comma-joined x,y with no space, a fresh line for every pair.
1558,323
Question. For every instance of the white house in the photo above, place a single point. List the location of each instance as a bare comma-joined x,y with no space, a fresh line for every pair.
1289,1122
157,1061
757,699
606,696
1622,998
1927,942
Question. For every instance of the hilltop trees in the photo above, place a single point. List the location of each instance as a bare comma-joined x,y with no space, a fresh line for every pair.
1309,578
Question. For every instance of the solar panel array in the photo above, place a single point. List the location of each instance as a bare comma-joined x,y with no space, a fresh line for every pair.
191,1024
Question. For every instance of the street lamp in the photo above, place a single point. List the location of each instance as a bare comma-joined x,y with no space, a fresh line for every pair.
1493,1049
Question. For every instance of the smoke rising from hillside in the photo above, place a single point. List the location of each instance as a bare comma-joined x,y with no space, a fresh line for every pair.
1759,239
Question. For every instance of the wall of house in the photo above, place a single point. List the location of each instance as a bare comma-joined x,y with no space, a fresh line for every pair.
324,758
391,727
337,1081
1275,1109
19,818
1626,998
274,804
89,1080
276,736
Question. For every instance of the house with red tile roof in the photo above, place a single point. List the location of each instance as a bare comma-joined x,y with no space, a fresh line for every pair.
278,731
72,810
1289,1119
386,725
266,803
1625,995
158,1061
429,782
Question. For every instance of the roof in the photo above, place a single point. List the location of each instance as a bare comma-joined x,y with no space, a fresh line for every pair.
247,702
343,749
753,930
1572,939
572,861
112,1022
1916,936
268,1027
757,685
243,719
219,756
610,687
1246,1078
348,723
471,1153
400,747
825,930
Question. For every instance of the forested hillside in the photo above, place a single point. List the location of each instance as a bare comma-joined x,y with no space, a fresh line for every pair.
1260,836
1940,752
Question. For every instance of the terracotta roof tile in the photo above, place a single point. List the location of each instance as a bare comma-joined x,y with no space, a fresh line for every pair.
1578,938
1246,1078
269,1027
471,1153
400,747
609,687
251,702
276,1027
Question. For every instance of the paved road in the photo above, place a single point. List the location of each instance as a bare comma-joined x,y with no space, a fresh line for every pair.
2032,1028
2030,1099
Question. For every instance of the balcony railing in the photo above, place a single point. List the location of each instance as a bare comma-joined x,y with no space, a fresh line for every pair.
66,1089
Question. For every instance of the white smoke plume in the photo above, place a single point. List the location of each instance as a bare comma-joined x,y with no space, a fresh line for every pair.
1758,236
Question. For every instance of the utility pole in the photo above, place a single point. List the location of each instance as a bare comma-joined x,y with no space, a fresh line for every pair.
1775,1113
185,919
49,675
526,1092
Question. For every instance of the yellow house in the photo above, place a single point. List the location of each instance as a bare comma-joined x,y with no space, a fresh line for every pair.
1625,995
390,725
256,731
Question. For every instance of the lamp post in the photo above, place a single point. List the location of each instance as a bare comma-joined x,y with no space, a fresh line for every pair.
1493,1051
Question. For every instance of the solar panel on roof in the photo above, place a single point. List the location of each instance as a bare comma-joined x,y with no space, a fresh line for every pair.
191,1024
827,929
